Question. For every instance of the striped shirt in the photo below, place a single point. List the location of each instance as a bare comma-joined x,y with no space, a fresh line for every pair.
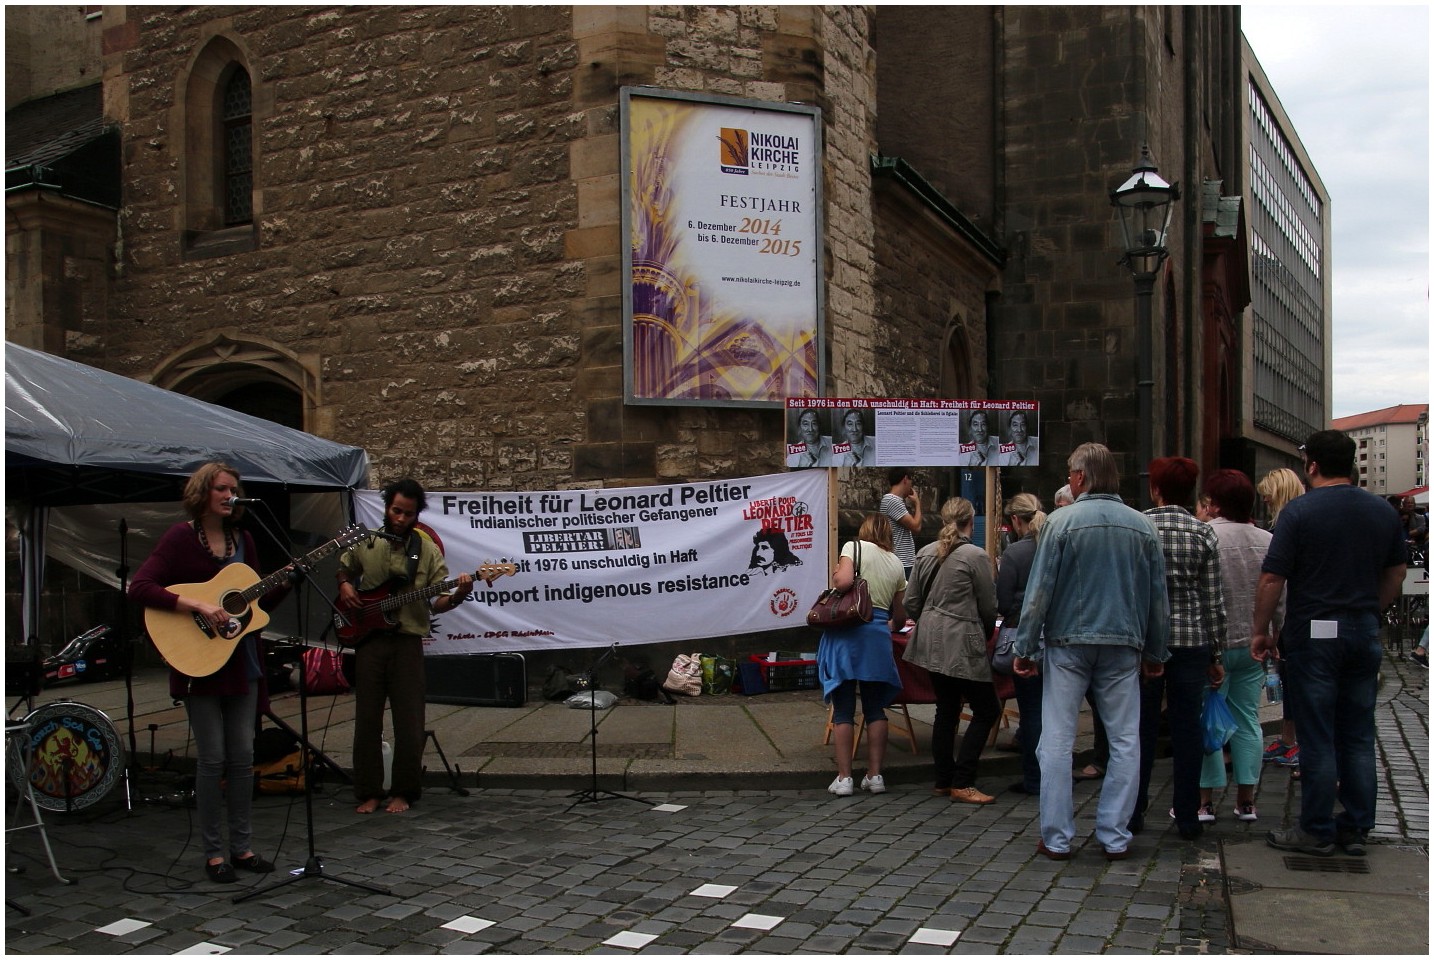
903,544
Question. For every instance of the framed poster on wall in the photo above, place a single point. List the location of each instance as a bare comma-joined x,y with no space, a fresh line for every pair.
721,218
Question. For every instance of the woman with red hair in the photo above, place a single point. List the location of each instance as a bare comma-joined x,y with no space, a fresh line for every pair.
1197,633
1242,550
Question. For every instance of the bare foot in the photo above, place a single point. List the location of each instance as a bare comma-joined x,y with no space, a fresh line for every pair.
368,806
396,805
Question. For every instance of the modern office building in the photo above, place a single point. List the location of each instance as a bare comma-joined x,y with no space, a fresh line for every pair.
1286,384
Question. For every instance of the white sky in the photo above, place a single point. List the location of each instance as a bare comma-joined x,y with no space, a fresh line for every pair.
1355,83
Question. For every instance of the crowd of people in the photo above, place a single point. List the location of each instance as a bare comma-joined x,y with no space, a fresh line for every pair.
1143,614
1137,613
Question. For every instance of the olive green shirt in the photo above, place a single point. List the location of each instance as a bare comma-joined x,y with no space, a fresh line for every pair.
375,562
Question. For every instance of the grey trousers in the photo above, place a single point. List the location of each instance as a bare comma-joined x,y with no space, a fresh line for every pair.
224,740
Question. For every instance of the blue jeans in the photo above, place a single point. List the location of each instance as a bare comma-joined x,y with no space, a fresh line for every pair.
1182,688
224,749
1112,674
1028,700
1334,714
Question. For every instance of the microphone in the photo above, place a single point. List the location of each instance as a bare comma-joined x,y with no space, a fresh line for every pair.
235,501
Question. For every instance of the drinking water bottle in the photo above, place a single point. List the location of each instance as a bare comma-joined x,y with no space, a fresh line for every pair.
1274,689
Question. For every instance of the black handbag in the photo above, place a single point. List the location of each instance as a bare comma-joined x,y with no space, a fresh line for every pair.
1003,652
843,608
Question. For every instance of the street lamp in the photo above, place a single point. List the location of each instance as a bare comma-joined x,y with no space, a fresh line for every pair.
1145,203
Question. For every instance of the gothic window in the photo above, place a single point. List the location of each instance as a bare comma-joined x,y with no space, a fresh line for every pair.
221,107
238,150
956,364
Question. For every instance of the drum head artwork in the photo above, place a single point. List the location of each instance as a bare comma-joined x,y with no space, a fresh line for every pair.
73,755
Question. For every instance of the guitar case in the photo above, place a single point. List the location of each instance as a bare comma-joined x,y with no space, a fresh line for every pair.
476,679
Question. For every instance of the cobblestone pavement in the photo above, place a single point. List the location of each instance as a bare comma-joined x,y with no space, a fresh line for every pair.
864,873
747,870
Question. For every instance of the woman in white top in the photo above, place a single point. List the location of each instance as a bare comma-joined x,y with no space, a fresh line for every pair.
1242,546
860,657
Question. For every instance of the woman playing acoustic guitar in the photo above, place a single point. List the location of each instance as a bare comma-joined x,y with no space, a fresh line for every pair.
224,705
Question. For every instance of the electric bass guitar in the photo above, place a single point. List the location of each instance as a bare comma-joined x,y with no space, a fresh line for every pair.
191,644
378,608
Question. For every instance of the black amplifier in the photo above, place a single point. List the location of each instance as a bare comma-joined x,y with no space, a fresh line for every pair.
476,679
22,670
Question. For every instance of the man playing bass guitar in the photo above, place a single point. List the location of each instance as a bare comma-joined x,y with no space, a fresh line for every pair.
390,660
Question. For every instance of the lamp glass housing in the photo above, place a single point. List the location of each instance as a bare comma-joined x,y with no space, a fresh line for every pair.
1145,203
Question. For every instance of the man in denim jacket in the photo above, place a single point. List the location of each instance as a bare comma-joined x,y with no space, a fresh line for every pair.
1095,615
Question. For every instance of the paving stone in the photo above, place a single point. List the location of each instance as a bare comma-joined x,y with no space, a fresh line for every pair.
847,878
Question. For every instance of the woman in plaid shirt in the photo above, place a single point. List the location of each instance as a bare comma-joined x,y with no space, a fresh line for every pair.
1197,640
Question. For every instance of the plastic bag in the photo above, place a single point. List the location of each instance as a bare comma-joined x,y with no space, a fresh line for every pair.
591,700
1217,722
717,674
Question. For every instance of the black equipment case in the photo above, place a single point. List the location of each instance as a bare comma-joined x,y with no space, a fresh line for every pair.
477,679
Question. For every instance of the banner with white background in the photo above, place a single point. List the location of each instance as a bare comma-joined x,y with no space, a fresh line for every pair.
629,565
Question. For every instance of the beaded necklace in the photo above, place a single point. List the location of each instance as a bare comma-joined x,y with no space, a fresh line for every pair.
228,542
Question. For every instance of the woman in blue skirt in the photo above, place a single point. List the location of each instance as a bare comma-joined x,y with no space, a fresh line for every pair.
859,658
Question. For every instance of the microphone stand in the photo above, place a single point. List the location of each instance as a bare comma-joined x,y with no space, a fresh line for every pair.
313,866
127,645
593,794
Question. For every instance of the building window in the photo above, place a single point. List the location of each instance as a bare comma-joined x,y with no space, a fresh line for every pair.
238,150
221,199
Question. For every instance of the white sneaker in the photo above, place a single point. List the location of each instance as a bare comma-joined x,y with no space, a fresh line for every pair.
1247,812
876,784
842,787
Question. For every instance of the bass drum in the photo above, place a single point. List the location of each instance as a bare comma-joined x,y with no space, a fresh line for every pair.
72,756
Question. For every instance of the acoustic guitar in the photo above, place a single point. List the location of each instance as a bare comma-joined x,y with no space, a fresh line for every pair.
191,644
378,608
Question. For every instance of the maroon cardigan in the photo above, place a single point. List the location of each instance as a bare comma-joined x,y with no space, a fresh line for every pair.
179,557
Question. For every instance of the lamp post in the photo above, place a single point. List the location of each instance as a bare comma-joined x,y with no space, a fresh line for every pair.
1145,203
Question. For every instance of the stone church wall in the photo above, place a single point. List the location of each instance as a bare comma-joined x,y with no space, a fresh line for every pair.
439,222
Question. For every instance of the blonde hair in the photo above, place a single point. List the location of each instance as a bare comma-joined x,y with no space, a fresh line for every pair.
956,513
1280,487
1027,506
876,529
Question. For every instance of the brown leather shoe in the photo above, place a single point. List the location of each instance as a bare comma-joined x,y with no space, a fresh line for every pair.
970,795
1045,851
940,791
